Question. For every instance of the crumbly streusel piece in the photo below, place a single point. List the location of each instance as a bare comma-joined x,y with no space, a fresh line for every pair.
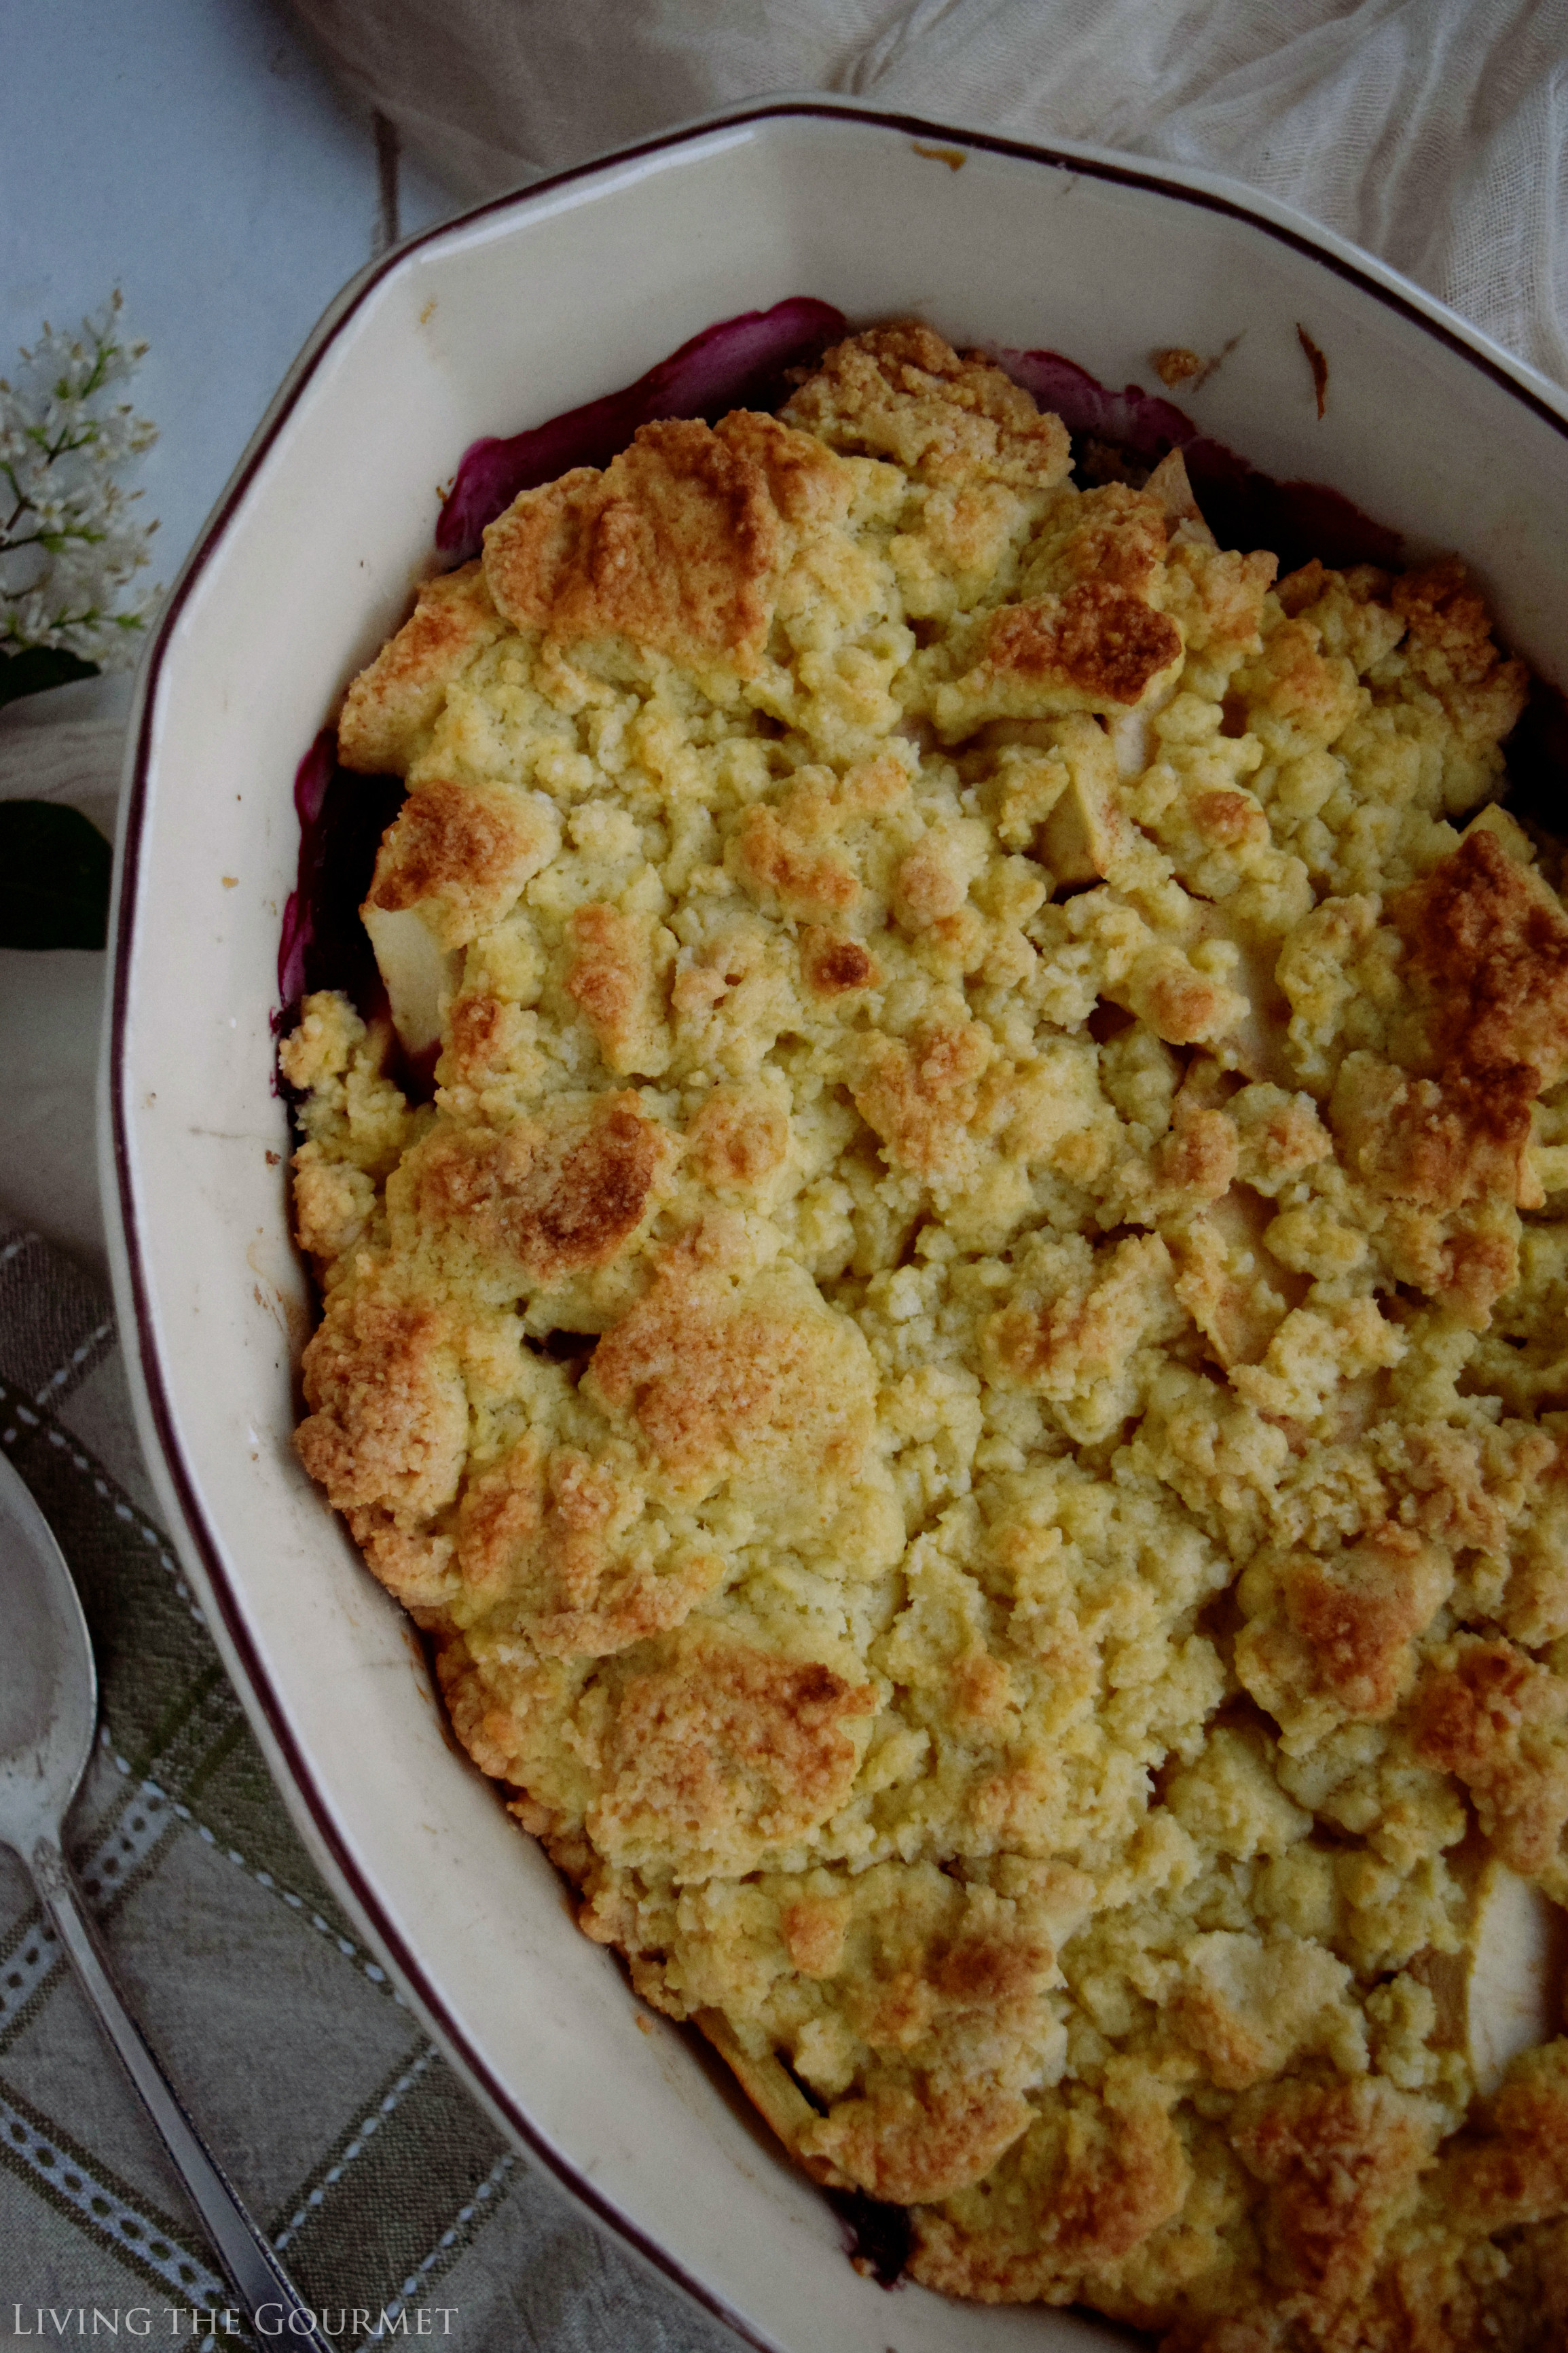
967,1368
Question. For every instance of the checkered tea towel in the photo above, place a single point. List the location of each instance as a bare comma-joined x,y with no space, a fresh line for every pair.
388,2194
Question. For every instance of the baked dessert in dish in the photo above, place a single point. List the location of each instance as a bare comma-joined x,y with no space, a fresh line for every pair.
965,1371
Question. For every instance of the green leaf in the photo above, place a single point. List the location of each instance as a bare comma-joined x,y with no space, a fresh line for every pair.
40,667
54,877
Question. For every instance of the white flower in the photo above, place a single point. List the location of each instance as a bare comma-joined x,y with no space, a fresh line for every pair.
68,545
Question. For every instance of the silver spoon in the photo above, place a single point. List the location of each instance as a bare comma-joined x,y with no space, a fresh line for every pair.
48,1707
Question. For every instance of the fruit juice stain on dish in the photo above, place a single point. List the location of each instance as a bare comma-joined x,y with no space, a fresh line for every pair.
877,2236
323,942
739,362
1125,434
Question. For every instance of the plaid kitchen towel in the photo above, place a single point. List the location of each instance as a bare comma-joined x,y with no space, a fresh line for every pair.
386,2191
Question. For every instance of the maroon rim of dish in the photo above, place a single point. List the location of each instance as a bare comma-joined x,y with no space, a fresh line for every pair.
263,1699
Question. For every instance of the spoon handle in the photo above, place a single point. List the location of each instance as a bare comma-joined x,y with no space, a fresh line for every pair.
271,2301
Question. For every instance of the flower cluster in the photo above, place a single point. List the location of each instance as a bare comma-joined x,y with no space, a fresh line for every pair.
68,544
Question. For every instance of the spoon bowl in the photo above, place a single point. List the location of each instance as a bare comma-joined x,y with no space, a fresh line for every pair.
48,1686
49,1711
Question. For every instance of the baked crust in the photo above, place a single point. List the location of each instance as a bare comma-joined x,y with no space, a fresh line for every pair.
681,546
391,707
900,392
967,1370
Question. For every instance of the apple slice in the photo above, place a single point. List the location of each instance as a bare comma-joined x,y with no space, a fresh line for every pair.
1514,1999
1170,484
1502,1993
1080,838
417,971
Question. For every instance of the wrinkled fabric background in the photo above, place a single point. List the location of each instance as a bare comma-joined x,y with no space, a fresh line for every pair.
1436,135
1433,132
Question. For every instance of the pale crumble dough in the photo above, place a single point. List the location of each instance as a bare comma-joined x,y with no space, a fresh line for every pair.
966,1368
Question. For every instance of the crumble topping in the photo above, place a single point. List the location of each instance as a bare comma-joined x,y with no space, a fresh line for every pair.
969,1369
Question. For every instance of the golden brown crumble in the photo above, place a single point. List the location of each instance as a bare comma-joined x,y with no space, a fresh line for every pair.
969,1368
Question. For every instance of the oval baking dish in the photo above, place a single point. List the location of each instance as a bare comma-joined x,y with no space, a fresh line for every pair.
519,310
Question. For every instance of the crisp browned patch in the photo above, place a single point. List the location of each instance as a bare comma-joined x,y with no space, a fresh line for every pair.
502,1513
761,1383
1535,1608
1498,1721
1513,2167
739,1137
469,847
773,857
1126,2175
482,1033
833,964
1230,818
1427,2295
1289,1137
414,1563
679,546
818,801
894,2012
612,976
1294,679
1449,646
1358,1610
1487,945
929,884
390,705
389,1420
1115,2175
813,1929
980,1971
1434,1142
900,391
1304,587
548,1199
1097,640
1182,1005
1339,2160
982,1689
1217,595
1116,536
566,1542
1084,1331
719,1751
332,1204
910,2149
1466,1258
534,551
874,786
1462,1495
1198,1159
919,1095
505,1711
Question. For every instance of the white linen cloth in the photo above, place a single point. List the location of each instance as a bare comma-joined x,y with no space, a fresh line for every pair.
1433,132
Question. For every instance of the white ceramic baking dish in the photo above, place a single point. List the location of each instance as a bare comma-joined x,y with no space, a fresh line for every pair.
502,319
